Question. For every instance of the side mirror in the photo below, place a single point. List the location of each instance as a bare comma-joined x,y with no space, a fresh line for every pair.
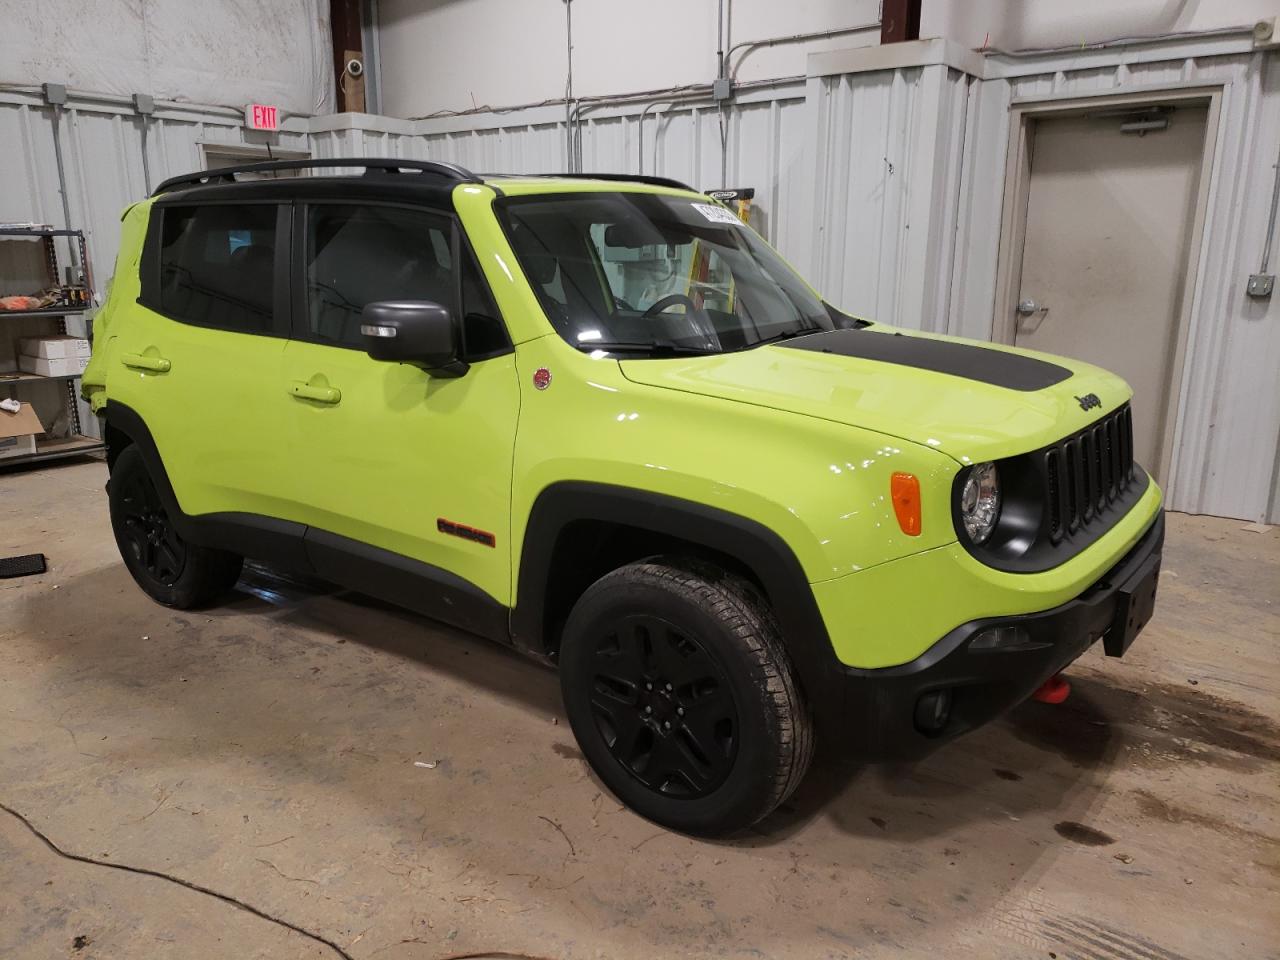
419,332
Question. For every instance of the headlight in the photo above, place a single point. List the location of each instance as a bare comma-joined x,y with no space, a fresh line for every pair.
980,502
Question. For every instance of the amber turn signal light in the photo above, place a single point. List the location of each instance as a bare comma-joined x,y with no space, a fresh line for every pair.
905,491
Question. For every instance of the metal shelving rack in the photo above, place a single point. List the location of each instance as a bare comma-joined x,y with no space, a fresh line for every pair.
77,299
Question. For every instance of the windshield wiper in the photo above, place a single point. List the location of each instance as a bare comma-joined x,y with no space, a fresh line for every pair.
784,335
654,348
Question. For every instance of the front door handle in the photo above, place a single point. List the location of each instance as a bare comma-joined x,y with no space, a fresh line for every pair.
306,391
138,361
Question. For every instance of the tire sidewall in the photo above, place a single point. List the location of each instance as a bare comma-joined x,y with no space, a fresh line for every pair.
737,802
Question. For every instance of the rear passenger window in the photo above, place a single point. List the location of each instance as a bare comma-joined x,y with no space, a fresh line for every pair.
216,265
359,254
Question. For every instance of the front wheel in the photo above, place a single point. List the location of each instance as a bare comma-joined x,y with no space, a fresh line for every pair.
170,569
682,696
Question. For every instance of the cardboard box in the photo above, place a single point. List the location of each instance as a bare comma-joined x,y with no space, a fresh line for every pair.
61,367
18,432
54,348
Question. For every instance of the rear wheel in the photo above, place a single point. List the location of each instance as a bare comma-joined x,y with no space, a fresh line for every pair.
171,570
682,696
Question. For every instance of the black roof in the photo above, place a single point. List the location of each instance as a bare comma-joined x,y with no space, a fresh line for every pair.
383,178
383,165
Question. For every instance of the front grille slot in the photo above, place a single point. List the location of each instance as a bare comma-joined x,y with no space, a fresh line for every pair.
1086,468
1053,494
1084,474
1113,458
1075,480
1126,445
1099,467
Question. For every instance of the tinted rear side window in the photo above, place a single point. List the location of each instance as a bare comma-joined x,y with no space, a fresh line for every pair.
217,266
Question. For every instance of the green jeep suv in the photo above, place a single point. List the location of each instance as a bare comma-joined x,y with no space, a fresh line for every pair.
599,420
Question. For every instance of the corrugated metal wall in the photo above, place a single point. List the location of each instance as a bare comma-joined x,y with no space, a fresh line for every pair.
765,139
102,153
889,151
102,156
884,187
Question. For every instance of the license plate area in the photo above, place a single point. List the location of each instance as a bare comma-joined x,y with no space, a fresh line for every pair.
1135,602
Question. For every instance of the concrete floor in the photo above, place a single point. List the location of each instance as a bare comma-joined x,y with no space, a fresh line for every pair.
266,751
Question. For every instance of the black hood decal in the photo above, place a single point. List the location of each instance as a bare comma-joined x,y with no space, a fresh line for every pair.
1000,369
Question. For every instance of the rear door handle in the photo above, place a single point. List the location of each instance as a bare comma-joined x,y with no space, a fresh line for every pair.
138,361
306,391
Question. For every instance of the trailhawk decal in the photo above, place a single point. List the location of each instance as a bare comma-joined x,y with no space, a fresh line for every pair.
996,367
465,532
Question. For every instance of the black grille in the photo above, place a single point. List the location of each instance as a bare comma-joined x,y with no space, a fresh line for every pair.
1057,500
1086,473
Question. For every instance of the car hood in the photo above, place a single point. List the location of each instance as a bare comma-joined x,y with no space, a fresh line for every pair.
973,401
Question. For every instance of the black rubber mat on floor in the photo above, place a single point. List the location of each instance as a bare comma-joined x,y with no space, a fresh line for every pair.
23,566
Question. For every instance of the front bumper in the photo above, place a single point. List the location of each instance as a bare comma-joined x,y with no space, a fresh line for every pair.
897,713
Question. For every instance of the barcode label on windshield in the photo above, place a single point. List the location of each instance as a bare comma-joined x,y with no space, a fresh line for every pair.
716,214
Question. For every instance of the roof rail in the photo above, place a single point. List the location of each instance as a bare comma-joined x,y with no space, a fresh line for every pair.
622,177
450,171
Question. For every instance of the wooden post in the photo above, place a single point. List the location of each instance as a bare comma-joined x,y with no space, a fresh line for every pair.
344,23
899,21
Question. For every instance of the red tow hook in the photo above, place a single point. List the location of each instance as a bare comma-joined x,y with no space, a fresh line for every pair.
1053,690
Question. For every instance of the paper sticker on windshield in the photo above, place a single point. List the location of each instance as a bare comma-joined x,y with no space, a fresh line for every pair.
716,214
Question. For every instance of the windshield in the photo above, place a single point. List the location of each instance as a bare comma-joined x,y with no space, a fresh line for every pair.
652,274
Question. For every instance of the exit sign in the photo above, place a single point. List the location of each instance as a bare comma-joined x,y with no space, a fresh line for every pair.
261,116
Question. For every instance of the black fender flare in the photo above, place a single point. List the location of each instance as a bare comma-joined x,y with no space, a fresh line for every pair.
129,422
753,544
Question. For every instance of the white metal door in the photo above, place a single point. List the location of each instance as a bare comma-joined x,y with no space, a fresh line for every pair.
1109,223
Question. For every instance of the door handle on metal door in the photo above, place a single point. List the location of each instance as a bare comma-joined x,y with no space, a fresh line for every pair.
1028,308
138,361
306,391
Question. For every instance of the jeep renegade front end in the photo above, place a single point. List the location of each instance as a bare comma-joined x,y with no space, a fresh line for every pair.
601,421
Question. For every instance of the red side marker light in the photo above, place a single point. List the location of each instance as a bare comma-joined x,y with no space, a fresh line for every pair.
904,489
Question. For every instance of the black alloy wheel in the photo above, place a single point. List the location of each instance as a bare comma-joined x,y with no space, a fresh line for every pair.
663,706
171,569
682,696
